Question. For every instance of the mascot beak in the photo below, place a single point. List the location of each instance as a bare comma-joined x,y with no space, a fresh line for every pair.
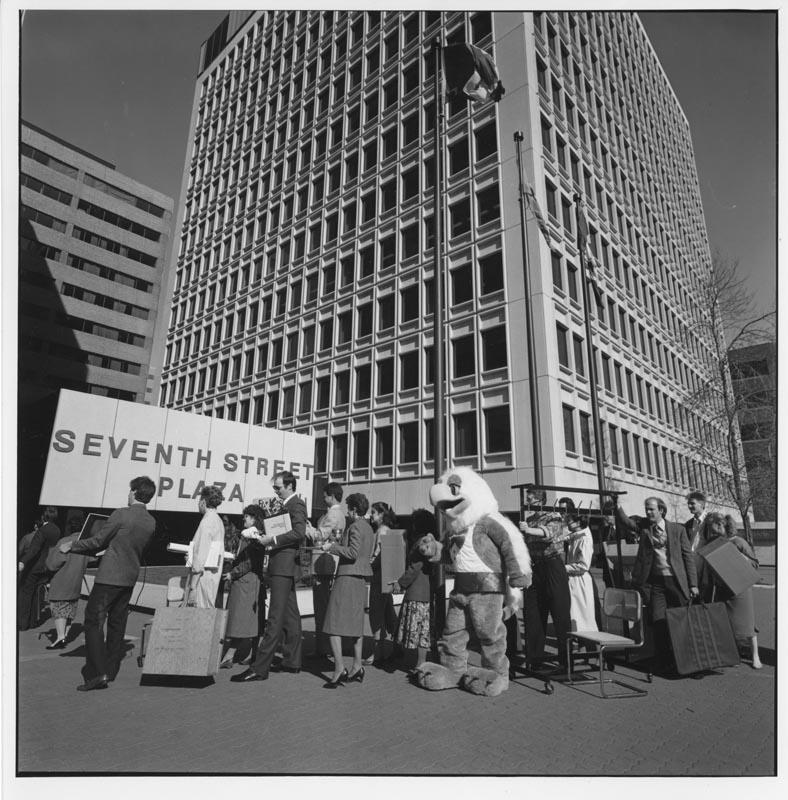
442,497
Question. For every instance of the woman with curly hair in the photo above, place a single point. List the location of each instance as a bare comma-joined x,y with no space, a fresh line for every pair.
740,607
345,612
246,604
206,552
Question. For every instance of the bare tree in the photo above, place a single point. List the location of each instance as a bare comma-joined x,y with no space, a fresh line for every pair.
725,321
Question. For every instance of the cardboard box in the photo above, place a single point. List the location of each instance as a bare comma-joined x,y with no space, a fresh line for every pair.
392,558
729,565
278,524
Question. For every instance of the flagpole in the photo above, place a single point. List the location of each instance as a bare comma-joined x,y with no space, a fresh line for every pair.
529,323
438,426
592,373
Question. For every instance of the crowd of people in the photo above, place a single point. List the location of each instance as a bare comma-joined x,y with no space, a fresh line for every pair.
263,617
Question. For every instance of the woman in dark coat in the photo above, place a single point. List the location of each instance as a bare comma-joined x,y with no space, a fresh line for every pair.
246,604
345,612
32,566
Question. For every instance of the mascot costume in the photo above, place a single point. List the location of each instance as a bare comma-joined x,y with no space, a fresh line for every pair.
487,552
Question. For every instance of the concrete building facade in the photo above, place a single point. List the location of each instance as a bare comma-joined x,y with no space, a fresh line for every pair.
302,279
92,252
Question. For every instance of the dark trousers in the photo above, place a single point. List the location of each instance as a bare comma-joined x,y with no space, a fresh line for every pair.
547,594
108,604
25,612
321,591
665,593
284,619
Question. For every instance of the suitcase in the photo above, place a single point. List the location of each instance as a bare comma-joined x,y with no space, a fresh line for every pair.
702,637
183,640
730,566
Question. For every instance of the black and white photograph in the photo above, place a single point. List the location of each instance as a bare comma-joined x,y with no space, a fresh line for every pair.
389,393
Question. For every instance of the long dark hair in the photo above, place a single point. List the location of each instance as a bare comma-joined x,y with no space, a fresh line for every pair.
388,517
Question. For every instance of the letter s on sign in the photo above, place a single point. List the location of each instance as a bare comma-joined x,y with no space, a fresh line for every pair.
64,441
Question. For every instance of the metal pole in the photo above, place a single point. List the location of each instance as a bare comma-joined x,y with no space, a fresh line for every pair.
529,323
438,446
592,375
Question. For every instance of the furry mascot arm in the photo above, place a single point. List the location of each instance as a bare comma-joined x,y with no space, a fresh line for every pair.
512,548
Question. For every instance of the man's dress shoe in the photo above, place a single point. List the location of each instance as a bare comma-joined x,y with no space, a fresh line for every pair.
247,676
99,682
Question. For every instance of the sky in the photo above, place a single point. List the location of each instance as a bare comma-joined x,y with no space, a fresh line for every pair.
120,85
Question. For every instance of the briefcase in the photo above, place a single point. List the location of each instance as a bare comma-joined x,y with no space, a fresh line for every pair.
185,641
702,637
729,565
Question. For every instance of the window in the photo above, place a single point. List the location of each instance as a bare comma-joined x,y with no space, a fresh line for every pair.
458,156
323,391
388,196
464,355
321,454
410,240
409,303
486,140
585,434
488,205
497,429
339,447
491,271
345,327
273,406
410,129
309,340
388,251
410,78
410,183
409,370
342,388
409,442
494,347
571,272
367,257
562,339
365,320
360,449
326,333
613,437
625,448
577,344
557,273
386,312
465,439
364,382
569,429
462,284
305,398
386,376
384,446
460,214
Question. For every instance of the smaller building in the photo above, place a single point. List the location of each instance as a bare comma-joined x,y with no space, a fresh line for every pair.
92,250
754,373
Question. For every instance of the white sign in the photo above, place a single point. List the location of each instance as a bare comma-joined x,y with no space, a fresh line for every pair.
99,444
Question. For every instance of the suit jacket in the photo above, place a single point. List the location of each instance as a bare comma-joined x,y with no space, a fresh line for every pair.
283,556
125,536
355,551
34,558
680,557
697,558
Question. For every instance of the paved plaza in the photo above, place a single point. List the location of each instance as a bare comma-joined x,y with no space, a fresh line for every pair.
722,725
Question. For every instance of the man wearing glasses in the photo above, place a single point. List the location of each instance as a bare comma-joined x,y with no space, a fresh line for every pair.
283,570
664,570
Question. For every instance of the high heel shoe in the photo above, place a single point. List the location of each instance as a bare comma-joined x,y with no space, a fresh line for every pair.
338,682
356,677
57,645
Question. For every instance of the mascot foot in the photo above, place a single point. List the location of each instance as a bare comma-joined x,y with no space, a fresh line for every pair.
484,682
435,677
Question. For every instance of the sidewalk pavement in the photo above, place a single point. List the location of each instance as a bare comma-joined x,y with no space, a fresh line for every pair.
722,725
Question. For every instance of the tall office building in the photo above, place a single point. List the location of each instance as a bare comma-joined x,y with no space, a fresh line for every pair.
92,248
302,283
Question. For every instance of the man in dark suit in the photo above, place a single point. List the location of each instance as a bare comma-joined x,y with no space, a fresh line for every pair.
124,536
664,569
283,570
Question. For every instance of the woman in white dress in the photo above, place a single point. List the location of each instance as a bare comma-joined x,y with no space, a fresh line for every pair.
206,553
581,586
